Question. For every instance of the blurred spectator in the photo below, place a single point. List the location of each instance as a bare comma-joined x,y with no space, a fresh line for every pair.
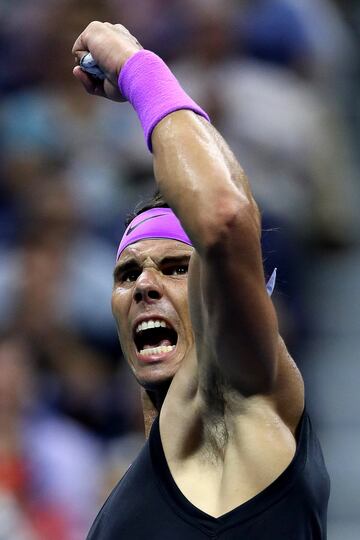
332,45
60,262
39,452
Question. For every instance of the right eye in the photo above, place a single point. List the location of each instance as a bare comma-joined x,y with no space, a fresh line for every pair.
130,275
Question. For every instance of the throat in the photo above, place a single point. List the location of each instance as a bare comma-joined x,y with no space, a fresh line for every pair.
152,400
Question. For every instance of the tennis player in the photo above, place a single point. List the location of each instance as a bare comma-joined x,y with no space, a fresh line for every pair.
230,450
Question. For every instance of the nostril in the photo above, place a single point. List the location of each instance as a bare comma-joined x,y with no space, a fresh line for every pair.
154,295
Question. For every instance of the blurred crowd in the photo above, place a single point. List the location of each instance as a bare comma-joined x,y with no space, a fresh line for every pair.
278,78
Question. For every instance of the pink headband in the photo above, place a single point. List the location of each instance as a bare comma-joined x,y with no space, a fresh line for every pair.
162,223
153,223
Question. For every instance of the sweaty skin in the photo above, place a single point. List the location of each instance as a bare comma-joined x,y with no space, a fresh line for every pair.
229,395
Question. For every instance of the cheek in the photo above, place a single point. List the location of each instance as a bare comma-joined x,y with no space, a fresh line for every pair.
114,304
184,311
120,302
118,307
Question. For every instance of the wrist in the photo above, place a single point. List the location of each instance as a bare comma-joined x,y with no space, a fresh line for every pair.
152,89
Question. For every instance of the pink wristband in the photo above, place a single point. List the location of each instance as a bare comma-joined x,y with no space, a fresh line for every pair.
154,92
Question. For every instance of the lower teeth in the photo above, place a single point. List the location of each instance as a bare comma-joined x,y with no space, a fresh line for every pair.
157,350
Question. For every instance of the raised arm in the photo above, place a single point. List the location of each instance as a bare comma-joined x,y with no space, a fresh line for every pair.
205,185
233,318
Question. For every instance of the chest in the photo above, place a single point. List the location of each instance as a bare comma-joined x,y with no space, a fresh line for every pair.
219,466
148,503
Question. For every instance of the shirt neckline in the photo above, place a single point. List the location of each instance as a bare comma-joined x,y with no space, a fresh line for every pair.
251,508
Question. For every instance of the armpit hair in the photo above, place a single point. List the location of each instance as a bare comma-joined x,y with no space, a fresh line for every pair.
213,390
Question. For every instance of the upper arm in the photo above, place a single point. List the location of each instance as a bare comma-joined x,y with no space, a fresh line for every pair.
233,318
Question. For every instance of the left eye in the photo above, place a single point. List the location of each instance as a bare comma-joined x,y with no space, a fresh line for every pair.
176,270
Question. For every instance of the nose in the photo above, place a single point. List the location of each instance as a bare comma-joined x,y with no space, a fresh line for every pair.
148,287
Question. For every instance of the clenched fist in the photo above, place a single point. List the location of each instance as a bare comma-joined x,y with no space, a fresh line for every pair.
110,45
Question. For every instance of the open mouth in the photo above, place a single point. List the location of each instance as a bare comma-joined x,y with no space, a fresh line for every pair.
154,337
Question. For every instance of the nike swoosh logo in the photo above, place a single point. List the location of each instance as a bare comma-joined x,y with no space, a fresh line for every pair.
131,229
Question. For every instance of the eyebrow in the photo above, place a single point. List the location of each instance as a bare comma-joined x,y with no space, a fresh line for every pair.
133,263
175,259
121,268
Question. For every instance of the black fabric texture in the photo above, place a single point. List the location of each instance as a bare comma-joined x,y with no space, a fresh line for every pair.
147,504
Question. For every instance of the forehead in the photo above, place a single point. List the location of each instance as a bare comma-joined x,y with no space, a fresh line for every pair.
155,249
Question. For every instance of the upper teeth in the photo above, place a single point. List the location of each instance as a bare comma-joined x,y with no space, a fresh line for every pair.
152,323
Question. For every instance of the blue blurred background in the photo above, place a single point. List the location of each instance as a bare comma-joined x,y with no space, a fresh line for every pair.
280,80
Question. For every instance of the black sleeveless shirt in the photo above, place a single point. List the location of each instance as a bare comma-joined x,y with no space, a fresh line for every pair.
147,504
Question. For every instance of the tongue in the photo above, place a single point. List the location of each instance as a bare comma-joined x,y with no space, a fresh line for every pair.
162,343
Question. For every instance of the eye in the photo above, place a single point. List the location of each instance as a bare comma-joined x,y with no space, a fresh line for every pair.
176,270
130,275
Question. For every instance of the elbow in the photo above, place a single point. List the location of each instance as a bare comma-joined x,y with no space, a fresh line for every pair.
232,223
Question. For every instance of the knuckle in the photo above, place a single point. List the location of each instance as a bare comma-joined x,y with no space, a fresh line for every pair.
95,25
122,28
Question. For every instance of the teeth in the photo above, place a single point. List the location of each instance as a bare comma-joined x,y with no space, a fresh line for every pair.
152,323
157,350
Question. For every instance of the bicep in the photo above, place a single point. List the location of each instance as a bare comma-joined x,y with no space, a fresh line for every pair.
234,320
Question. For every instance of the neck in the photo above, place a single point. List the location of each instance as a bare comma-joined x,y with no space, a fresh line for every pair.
152,401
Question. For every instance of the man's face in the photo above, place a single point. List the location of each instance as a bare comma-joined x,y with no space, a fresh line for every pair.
150,306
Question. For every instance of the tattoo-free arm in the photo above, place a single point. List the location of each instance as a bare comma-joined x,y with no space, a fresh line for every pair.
204,184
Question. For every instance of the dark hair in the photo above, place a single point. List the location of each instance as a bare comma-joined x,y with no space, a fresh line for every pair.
156,201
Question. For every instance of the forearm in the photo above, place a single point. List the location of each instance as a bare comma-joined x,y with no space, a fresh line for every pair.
195,170
200,178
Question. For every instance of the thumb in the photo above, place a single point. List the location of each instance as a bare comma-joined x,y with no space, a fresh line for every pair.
92,85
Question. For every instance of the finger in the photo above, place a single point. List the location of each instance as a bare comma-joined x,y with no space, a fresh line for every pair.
78,47
92,86
112,91
81,44
84,78
79,56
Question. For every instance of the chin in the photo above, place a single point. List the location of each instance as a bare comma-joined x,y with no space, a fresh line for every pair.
155,381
